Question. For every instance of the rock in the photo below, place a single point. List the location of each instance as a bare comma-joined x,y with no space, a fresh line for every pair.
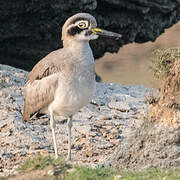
32,29
51,171
117,177
150,145
120,106
71,170
104,117
92,133
99,131
90,153
105,145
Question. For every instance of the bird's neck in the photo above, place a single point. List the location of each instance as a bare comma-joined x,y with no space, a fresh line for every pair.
81,51
78,46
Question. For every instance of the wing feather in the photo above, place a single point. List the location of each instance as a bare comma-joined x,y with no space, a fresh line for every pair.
42,82
50,64
39,95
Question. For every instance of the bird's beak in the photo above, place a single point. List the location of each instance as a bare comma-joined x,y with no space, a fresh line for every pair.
103,32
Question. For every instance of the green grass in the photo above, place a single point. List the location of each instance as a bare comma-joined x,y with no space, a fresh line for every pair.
153,174
86,173
40,162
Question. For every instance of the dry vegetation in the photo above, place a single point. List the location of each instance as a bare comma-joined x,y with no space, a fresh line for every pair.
166,107
131,64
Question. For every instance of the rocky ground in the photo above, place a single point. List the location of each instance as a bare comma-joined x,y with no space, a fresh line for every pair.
152,145
98,129
157,142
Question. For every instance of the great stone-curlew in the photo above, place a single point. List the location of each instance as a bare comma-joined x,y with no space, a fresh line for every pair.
64,81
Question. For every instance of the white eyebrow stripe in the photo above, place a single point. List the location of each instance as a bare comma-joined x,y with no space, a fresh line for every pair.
84,21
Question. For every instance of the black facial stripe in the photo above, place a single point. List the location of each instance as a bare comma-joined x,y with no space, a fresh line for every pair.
75,30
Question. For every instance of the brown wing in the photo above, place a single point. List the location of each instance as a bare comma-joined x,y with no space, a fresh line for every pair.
39,95
42,83
51,64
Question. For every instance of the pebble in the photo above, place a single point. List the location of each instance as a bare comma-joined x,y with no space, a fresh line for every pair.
1,93
71,170
51,172
119,106
118,177
105,145
104,117
7,80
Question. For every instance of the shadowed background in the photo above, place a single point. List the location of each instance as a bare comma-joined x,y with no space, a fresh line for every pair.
30,29
131,65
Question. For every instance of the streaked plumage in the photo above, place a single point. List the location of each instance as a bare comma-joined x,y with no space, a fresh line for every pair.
63,82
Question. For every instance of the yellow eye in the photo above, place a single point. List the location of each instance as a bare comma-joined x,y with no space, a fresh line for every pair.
82,25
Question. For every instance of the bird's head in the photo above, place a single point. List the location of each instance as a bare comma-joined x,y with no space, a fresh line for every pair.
83,27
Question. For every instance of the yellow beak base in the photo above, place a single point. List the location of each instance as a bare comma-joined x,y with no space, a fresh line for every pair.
102,32
95,30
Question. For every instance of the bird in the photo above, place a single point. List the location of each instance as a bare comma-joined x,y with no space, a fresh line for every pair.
64,81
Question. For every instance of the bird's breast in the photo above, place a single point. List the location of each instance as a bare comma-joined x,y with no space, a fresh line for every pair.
75,91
